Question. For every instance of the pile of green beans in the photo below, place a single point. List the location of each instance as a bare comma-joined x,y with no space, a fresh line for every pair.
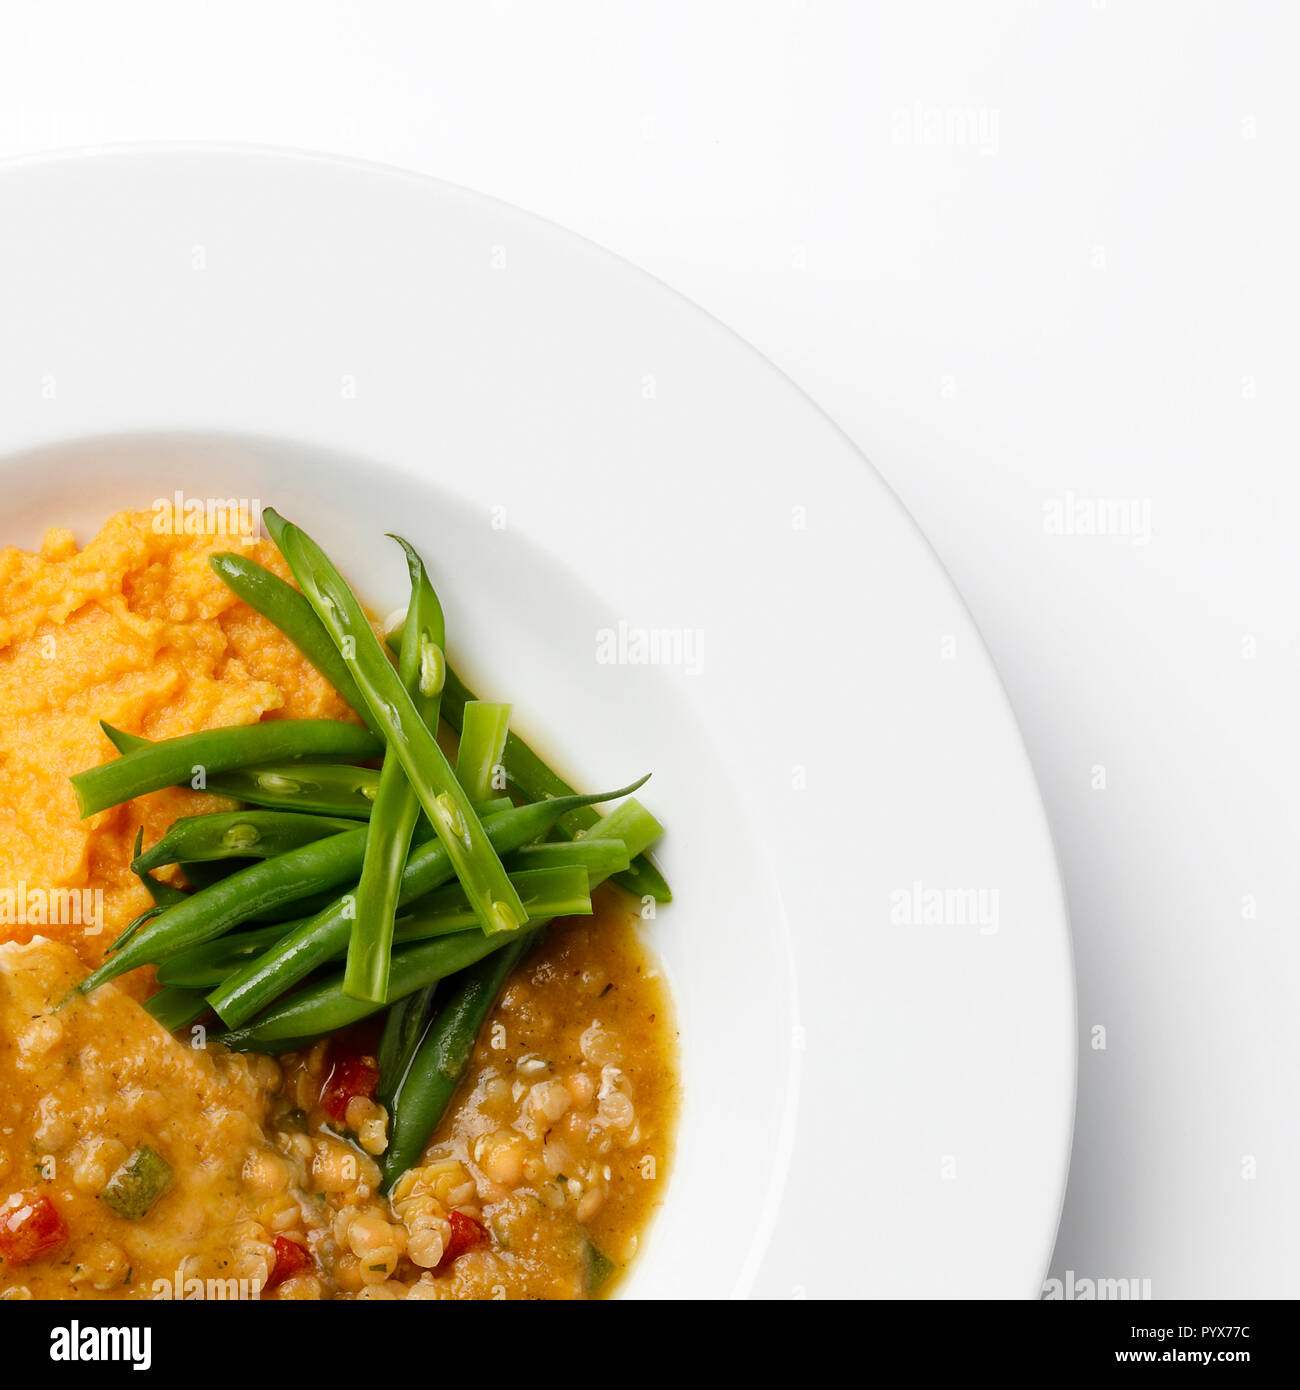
527,773
425,1086
339,890
211,912
250,990
558,891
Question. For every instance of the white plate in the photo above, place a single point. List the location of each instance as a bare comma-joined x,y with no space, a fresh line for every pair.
874,1108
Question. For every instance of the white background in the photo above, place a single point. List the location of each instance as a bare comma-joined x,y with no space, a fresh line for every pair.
1032,258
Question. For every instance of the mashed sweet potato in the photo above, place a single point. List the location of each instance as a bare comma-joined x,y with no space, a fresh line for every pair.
135,629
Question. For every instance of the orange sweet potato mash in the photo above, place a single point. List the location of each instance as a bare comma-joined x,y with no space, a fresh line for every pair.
135,629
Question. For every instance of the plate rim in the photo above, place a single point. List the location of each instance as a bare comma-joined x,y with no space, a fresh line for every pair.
348,164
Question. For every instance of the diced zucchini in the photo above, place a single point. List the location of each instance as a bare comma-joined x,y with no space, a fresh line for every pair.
138,1183
600,1268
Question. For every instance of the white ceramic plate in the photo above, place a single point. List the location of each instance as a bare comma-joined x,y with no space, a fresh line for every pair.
879,1080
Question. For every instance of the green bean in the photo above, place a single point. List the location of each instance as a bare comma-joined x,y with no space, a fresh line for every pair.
177,1008
193,758
396,805
329,789
253,988
134,926
292,908
643,878
270,596
163,894
484,728
211,912
237,835
443,1054
312,903
404,1025
203,873
603,857
204,967
444,802
322,1008
559,891
535,781
630,822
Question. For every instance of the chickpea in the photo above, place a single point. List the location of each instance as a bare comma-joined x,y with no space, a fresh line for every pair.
94,1161
281,1214
102,1265
253,1255
369,1234
384,1290
300,1287
347,1273
582,1089
593,981
369,1122
548,1100
623,1248
417,1207
300,1146
503,1158
264,1173
617,1111
379,1266
306,1090
227,1129
152,1107
334,1167
497,1098
266,1072
598,1047
557,1156
534,1171
54,1128
590,1203
41,1036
